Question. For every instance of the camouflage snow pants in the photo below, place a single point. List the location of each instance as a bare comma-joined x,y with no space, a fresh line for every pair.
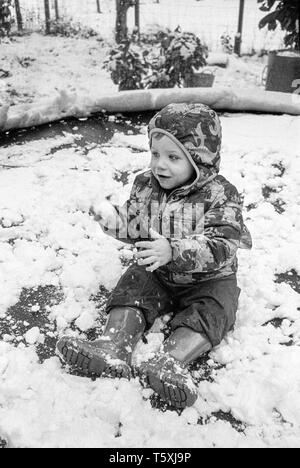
208,307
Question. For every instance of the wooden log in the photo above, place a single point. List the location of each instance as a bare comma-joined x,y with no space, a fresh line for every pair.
72,105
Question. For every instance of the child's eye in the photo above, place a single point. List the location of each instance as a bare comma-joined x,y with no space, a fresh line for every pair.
155,155
173,157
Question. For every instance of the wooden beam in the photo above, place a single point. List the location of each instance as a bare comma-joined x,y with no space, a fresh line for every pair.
98,6
19,15
137,16
56,10
47,15
238,37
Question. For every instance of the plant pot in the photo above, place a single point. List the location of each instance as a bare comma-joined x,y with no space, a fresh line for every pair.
283,71
199,80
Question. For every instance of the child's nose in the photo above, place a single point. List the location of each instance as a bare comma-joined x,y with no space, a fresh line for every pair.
161,165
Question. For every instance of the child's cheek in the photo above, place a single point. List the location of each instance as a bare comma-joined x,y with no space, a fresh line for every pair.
152,165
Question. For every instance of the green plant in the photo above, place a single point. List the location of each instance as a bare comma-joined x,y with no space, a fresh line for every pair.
5,17
287,14
157,76
227,43
179,55
163,60
127,65
156,35
3,443
68,28
184,52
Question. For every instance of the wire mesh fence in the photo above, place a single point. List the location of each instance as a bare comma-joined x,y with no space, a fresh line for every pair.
209,19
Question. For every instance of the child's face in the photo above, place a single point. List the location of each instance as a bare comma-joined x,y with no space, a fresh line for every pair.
169,164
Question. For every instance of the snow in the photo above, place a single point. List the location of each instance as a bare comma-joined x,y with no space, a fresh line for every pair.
254,374
32,335
72,57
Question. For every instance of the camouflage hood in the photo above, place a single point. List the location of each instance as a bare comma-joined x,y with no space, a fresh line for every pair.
196,129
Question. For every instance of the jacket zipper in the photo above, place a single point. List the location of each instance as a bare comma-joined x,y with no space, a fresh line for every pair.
162,203
164,199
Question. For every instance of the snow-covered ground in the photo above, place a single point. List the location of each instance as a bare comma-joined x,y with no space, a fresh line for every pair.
40,66
48,239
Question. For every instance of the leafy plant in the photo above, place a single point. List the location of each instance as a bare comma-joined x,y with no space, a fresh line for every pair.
227,43
163,60
157,76
68,28
5,17
127,65
3,443
287,14
184,52
154,36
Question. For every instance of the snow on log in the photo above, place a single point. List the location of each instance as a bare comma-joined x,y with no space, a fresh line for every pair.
73,105
3,116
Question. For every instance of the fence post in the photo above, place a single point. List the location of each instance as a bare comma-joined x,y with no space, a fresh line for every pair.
98,6
19,15
238,37
47,16
122,7
137,17
56,10
298,27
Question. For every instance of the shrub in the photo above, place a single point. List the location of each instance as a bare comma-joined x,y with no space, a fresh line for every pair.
163,60
184,52
68,28
227,43
5,17
287,14
157,76
127,65
155,35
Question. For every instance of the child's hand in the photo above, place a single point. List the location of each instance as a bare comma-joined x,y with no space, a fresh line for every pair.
105,213
157,252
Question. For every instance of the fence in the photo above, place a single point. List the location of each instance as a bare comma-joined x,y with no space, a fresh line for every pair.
209,19
82,11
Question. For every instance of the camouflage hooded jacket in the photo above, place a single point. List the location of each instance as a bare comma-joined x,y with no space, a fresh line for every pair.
202,220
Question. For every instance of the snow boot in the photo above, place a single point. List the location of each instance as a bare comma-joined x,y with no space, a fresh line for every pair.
167,374
110,355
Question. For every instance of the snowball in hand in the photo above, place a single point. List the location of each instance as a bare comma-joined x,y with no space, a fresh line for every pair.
105,212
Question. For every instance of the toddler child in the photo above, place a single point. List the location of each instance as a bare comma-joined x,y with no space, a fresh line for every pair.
186,221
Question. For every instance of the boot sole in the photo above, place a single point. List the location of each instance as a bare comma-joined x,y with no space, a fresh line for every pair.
91,366
174,393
